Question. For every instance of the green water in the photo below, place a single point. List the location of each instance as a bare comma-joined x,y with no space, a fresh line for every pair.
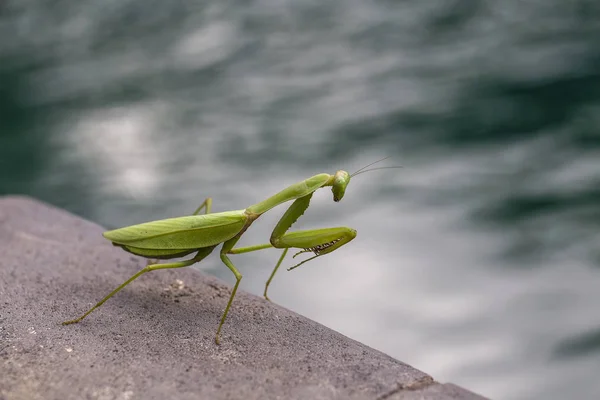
477,262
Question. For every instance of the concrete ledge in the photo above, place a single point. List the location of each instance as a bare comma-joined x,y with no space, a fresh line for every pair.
154,340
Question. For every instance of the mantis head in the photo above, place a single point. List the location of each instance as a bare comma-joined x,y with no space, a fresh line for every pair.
341,179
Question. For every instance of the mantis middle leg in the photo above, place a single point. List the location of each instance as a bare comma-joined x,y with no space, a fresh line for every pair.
318,241
227,246
206,204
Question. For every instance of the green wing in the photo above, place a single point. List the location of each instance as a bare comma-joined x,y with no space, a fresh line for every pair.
182,233
154,253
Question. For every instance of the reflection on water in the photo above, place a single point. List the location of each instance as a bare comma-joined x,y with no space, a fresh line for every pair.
477,262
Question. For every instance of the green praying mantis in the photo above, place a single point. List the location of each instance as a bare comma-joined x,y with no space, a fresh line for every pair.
201,233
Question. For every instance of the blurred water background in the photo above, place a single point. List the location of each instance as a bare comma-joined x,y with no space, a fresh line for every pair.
478,262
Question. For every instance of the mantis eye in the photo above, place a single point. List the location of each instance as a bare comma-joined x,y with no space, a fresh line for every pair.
340,182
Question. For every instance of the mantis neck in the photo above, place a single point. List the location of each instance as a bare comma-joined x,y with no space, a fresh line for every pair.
292,192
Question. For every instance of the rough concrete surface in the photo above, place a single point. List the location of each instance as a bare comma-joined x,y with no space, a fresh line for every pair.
155,339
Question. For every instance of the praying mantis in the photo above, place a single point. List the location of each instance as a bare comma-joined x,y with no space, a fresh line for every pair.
201,233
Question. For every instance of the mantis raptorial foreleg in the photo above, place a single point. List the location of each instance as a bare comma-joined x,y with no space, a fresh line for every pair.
319,241
202,253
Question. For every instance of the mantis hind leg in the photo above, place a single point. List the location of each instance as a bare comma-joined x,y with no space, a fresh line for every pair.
202,253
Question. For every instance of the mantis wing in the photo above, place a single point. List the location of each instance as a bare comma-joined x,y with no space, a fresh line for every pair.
182,233
158,254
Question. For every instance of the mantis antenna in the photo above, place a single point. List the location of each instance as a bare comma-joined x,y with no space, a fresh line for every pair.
363,170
